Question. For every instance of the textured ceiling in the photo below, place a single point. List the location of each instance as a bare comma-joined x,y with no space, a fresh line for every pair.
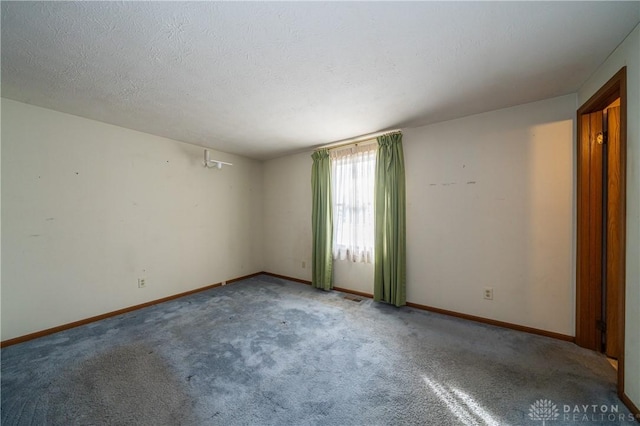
263,79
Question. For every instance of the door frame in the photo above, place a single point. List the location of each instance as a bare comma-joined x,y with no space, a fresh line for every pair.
587,294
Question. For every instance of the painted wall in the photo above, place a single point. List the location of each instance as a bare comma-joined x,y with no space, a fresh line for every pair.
287,218
490,203
628,54
88,208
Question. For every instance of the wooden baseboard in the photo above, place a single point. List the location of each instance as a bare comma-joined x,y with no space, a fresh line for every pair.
298,280
450,313
284,277
625,399
63,327
245,277
494,322
357,293
74,324
631,406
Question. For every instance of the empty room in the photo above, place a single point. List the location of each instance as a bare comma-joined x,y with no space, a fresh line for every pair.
320,213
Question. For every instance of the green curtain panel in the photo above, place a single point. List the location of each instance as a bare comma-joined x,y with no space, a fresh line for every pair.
390,278
322,221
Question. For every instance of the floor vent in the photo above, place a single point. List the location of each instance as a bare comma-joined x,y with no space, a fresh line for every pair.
353,298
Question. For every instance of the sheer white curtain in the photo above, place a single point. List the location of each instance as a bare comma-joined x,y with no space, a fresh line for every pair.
352,179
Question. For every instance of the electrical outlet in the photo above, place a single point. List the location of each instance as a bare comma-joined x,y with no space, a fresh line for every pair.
304,264
488,293
142,283
224,283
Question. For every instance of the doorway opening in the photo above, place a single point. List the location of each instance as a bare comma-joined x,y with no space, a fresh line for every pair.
601,218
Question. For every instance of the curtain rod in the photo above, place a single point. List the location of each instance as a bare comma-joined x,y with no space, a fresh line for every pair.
351,141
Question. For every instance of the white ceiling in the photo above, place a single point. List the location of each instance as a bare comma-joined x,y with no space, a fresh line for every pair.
263,79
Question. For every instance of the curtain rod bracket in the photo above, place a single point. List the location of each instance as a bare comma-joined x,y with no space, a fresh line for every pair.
209,163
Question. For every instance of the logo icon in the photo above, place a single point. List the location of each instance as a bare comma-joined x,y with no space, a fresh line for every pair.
544,410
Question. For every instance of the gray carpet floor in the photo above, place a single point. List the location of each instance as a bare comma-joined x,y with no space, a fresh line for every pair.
266,351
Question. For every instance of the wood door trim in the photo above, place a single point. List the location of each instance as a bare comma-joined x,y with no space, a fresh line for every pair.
608,93
585,318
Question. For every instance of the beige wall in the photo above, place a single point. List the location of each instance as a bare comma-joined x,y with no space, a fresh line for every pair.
511,230
88,208
628,54
287,233
287,216
143,206
490,204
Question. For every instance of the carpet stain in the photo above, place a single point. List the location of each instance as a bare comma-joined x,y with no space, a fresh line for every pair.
128,385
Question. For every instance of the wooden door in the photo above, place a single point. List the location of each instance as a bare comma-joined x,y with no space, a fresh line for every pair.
596,306
590,237
600,215
614,220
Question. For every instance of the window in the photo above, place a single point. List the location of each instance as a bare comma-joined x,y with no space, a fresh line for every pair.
352,179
